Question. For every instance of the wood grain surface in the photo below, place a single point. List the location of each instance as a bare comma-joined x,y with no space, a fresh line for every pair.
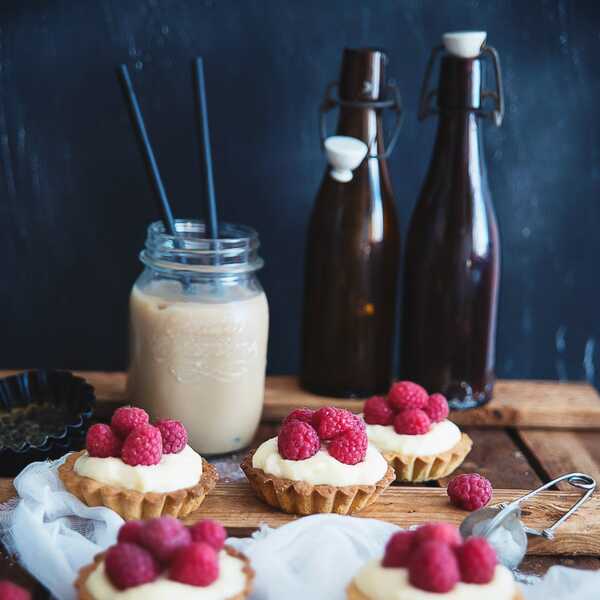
516,403
236,506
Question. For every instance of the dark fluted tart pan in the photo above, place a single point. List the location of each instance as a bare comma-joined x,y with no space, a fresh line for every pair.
43,414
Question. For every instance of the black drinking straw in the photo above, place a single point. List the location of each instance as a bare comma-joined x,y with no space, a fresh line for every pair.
138,120
211,203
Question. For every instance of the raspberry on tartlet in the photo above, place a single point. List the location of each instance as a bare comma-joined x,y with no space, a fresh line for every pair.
127,418
407,394
377,411
102,442
412,421
174,436
143,446
298,440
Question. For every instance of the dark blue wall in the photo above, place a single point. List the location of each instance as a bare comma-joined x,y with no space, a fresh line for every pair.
74,198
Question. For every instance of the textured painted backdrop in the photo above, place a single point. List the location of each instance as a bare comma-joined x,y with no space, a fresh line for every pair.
75,200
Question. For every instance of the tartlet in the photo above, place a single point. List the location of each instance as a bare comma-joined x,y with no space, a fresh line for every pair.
86,588
410,428
427,468
434,561
320,462
131,504
140,471
301,498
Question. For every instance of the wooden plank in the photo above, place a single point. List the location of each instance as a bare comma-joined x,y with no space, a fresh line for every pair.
560,452
517,403
239,510
236,506
496,456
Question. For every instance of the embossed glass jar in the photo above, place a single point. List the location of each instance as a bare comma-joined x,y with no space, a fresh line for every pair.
199,322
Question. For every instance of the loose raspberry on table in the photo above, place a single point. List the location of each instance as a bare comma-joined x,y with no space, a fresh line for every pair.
143,446
128,565
470,491
210,532
406,394
437,408
163,536
101,441
130,532
398,549
174,436
12,591
477,561
349,447
377,411
300,414
412,421
433,567
297,441
439,532
126,419
195,564
330,421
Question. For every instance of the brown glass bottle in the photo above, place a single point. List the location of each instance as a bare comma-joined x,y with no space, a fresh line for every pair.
352,252
452,252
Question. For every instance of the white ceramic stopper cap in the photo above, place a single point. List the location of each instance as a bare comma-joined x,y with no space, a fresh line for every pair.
465,44
344,154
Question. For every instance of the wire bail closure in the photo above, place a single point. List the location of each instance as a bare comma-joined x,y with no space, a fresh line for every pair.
427,96
395,104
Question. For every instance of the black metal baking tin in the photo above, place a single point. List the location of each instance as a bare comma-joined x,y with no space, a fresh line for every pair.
68,393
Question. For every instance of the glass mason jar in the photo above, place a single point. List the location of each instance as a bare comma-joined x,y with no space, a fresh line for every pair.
199,322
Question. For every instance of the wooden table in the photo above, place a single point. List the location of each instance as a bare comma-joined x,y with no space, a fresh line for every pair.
530,433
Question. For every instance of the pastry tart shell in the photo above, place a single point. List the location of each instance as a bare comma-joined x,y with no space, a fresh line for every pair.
131,504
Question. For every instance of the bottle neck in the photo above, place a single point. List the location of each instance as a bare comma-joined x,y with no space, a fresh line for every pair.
362,79
459,145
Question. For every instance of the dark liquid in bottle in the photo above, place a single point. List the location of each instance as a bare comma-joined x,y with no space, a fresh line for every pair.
452,254
352,256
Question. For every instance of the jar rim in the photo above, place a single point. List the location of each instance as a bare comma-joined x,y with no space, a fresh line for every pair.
235,250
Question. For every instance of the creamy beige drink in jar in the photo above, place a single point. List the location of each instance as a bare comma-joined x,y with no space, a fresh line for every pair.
199,323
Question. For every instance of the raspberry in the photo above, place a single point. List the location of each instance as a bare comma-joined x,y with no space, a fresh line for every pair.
437,408
349,447
163,536
445,533
210,532
126,419
477,561
300,414
330,421
12,591
128,565
469,492
398,549
100,441
130,532
412,421
406,394
195,564
174,436
143,446
297,441
377,411
433,567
